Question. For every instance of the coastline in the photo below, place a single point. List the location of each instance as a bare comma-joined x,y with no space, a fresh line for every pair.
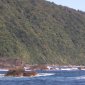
48,67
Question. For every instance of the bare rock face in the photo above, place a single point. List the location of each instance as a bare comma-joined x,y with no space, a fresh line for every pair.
18,72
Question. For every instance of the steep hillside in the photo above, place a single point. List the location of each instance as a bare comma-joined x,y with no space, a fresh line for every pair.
40,32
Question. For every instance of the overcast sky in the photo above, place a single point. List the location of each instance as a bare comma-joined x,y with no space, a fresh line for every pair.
76,4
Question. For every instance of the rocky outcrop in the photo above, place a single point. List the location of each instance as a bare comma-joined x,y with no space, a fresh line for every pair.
18,72
29,73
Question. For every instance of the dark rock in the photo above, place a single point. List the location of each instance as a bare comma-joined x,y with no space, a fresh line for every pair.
29,73
20,72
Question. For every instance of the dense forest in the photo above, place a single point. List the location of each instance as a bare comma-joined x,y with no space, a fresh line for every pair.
41,32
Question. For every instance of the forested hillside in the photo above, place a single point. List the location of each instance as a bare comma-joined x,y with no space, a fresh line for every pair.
41,32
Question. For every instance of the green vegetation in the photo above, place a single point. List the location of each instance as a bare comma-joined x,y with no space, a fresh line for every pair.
41,32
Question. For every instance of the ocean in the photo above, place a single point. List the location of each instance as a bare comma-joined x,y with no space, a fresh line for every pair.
76,77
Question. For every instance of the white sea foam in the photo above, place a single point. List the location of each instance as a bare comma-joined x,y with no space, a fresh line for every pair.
81,77
3,69
70,78
69,69
45,74
2,75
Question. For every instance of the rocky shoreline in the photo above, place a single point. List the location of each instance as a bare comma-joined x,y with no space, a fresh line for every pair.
31,70
17,67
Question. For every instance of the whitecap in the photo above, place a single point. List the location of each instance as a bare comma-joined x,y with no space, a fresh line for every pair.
80,77
44,74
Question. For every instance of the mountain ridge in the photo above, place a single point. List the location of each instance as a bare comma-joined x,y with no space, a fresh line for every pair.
41,32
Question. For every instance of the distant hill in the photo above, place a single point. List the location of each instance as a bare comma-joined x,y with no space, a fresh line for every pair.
41,32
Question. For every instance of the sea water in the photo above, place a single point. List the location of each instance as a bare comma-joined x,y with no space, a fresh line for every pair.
76,77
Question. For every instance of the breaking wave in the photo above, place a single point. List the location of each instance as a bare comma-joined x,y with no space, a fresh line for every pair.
2,77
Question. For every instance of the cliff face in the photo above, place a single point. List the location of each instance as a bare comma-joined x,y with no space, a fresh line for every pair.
38,31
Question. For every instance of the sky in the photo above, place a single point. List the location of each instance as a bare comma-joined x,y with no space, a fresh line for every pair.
76,4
